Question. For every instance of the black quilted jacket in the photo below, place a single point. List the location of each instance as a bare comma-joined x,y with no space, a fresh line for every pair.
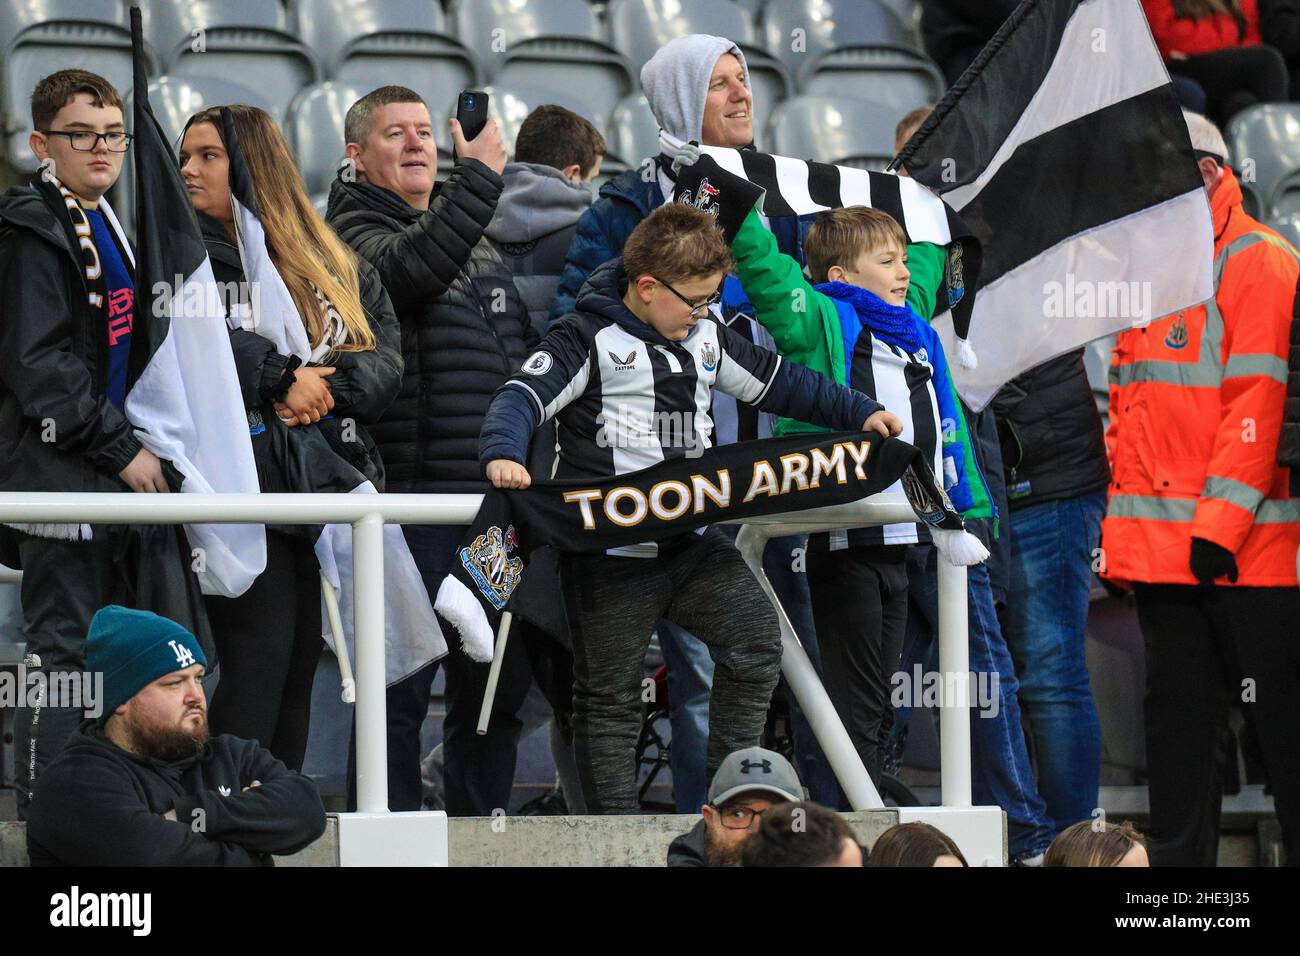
464,328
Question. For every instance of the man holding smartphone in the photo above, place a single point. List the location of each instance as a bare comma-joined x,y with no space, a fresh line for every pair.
464,332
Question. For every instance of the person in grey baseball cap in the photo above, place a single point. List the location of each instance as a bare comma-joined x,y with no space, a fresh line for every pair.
748,783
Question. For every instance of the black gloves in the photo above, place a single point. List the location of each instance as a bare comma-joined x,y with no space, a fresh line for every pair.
1210,562
710,188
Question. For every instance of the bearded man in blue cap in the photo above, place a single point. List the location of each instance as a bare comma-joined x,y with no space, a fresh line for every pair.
145,785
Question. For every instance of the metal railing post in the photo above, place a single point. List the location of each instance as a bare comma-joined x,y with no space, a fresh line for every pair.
368,626
807,686
954,665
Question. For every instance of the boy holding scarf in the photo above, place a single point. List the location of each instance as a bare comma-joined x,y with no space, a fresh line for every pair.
639,350
864,321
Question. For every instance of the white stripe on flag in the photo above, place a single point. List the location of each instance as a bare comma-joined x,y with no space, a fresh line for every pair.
1106,56
198,422
1010,327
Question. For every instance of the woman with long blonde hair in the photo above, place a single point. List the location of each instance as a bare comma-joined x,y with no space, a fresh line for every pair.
317,348
1219,44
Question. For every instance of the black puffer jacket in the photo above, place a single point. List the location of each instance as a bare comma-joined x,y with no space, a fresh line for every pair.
53,360
464,327
1053,445
363,385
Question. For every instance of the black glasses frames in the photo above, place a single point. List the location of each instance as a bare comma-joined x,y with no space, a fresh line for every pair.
697,308
85,140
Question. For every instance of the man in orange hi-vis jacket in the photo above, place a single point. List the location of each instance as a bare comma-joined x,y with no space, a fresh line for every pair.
1201,524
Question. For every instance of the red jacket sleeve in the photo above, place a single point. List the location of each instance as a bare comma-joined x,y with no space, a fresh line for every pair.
1192,37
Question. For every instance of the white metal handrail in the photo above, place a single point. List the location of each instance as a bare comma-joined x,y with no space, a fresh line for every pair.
369,513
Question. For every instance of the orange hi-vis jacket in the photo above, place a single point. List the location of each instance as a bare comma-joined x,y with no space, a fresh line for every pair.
1195,415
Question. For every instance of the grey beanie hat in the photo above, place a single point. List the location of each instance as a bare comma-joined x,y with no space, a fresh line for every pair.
676,81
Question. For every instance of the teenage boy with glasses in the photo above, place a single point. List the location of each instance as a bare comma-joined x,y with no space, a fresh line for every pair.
67,307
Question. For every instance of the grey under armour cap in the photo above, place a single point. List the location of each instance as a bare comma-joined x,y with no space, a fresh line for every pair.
754,769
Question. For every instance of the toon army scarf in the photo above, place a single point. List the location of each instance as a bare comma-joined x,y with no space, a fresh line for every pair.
773,476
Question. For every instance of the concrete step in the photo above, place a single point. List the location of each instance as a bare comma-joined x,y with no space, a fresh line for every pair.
523,841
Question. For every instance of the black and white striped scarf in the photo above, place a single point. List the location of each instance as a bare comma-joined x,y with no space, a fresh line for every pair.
805,187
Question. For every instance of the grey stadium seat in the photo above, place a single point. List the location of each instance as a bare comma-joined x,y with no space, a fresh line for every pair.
376,42
1264,143
824,25
640,27
770,82
248,39
555,45
633,131
510,106
895,78
38,37
1289,227
174,100
314,129
834,129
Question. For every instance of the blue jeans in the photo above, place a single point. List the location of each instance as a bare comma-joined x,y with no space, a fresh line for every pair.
690,683
1051,548
1001,774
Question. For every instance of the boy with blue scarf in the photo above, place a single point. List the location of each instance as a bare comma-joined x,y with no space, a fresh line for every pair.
863,320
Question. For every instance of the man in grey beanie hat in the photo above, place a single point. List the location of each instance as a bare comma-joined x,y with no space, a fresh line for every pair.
698,89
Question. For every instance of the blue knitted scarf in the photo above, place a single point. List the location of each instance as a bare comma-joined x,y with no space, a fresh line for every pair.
893,324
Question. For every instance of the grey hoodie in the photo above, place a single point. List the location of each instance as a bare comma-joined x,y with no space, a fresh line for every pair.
537,200
535,219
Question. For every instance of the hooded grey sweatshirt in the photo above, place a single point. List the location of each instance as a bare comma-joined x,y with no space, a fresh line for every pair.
534,221
537,200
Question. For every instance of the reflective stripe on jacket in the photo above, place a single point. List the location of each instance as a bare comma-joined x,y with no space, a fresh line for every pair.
1195,415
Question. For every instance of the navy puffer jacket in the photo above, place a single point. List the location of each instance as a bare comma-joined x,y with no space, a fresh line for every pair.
603,229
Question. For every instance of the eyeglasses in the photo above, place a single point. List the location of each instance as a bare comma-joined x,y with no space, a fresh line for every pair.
697,308
738,817
85,141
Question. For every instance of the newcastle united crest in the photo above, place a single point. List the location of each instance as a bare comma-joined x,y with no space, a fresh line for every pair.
488,561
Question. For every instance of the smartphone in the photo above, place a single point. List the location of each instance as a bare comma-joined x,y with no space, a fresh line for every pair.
472,112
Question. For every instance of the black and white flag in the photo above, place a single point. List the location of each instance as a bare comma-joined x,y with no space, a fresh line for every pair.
412,637
1064,149
804,187
185,402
